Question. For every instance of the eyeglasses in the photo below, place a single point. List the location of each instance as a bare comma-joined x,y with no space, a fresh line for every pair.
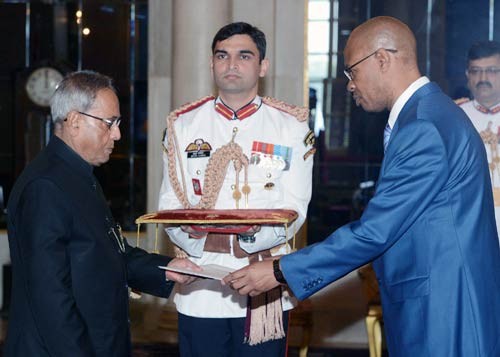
477,71
116,232
115,121
348,71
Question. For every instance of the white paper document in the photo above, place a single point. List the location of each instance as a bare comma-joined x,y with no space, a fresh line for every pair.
212,271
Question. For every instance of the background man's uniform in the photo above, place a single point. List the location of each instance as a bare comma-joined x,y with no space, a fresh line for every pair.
487,123
280,150
69,268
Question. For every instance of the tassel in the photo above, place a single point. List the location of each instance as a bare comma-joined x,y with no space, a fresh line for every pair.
274,320
264,321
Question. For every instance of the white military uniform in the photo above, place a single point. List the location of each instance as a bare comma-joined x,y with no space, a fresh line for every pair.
278,179
487,123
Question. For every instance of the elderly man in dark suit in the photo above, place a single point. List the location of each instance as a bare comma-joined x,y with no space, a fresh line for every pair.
71,266
430,228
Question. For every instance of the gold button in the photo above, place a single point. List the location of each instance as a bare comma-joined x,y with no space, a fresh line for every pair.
233,187
198,172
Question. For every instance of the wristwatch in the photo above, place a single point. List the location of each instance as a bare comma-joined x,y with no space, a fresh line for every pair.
278,275
246,238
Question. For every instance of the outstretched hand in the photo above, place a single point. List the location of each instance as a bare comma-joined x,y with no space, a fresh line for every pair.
254,279
179,277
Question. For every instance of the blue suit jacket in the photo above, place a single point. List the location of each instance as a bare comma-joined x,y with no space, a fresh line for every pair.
430,230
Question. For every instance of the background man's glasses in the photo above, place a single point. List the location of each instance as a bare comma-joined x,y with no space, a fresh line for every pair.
348,71
109,122
478,71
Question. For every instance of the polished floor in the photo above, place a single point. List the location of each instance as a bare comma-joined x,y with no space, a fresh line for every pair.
335,315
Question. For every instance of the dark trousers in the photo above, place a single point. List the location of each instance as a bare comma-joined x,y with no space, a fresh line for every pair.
223,337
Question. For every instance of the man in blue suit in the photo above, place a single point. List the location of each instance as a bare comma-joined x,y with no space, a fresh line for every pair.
430,228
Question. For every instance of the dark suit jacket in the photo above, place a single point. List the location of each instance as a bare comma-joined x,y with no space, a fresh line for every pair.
430,229
70,278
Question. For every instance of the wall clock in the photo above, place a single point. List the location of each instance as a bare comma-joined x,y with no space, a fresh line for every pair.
41,84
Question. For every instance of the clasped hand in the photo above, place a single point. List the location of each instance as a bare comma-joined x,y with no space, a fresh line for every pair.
254,279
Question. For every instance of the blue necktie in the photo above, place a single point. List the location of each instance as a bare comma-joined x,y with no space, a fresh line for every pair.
387,135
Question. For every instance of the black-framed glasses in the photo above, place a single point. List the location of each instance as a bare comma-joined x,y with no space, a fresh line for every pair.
115,121
348,71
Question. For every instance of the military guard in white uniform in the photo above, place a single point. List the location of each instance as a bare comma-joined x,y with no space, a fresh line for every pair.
262,151
483,80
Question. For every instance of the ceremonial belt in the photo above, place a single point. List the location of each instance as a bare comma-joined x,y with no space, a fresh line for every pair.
221,243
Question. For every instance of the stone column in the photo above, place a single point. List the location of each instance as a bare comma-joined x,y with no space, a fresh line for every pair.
159,99
195,24
290,52
284,23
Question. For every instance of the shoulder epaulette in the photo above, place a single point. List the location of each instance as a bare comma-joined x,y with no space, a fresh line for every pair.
461,101
300,113
189,106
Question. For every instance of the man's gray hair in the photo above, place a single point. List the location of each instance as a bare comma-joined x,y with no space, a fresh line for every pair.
77,91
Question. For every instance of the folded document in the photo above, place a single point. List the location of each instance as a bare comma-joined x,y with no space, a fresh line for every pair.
211,271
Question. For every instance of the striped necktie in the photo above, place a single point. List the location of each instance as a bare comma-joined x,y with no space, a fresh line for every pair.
387,135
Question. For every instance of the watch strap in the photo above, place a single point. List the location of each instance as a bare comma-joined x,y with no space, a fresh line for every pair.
278,274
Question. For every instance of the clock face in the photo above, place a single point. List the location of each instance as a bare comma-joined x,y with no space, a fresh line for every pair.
41,85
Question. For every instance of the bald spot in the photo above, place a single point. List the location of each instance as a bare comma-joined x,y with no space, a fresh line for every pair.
386,32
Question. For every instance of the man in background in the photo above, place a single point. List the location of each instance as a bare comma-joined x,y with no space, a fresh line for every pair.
483,80
71,266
